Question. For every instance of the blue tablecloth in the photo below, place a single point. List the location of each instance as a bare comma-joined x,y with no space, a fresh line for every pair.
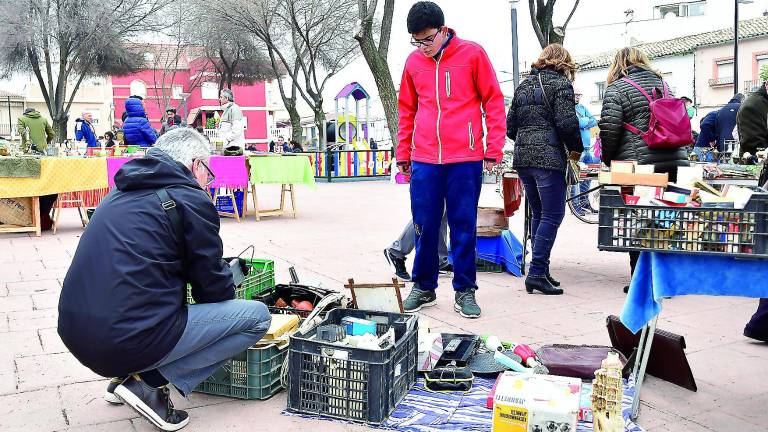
660,275
505,250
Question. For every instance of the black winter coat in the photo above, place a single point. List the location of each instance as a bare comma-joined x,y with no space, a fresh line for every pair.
624,103
752,121
544,129
122,306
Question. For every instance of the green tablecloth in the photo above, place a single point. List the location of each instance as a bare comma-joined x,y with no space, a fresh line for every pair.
20,167
282,170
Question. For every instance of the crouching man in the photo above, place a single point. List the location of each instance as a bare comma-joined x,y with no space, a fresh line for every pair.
122,310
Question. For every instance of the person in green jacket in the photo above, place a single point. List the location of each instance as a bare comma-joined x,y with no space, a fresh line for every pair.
752,121
34,130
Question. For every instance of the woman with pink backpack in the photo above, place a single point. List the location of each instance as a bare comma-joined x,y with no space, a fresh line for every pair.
641,120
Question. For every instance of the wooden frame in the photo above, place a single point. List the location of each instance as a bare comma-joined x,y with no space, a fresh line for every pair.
73,198
278,211
230,193
352,286
35,227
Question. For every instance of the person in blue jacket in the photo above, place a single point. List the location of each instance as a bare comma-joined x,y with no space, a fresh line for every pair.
726,120
707,139
122,308
84,130
136,129
586,122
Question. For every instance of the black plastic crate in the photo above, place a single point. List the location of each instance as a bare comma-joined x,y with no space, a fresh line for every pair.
704,230
485,266
351,383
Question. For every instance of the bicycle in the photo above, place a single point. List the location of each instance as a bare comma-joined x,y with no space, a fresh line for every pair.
583,191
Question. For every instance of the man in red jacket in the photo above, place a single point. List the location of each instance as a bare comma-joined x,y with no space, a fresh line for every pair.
448,86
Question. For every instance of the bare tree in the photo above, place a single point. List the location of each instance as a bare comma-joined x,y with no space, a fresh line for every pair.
541,19
376,55
64,41
310,38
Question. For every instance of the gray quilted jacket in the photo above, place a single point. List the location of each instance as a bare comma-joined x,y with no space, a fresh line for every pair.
624,103
544,127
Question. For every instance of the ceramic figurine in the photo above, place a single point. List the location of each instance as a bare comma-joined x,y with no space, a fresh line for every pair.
607,393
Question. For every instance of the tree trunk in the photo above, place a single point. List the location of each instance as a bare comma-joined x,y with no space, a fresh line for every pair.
320,123
377,63
60,128
293,114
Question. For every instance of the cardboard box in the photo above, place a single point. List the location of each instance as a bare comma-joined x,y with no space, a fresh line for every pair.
623,166
430,350
633,179
536,403
649,192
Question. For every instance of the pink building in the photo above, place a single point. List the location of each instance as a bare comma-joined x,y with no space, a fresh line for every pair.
186,83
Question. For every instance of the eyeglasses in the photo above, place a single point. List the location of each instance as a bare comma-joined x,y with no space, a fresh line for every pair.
427,41
210,177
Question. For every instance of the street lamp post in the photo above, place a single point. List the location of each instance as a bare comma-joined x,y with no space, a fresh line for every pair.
736,43
515,61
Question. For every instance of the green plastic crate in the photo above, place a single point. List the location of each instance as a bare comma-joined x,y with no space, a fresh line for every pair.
253,374
261,277
484,266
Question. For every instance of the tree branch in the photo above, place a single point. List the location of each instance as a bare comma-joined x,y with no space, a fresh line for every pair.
575,5
535,23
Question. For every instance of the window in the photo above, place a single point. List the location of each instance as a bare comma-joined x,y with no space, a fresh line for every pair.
679,10
600,91
177,90
724,69
138,88
762,61
210,90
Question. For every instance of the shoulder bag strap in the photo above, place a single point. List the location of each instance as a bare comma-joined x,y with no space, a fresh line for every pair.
628,126
544,94
169,205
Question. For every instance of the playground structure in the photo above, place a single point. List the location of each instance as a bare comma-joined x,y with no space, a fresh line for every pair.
350,133
349,154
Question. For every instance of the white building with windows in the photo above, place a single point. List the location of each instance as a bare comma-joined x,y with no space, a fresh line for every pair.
698,66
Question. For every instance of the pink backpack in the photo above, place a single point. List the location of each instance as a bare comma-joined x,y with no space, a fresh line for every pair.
669,126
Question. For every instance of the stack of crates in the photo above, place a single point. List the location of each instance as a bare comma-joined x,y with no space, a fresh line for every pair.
348,383
254,373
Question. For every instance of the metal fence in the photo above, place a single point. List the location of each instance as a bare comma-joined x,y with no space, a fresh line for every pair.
351,164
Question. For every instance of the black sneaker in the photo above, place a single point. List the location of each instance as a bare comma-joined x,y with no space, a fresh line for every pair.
154,404
398,264
418,299
445,268
466,305
110,396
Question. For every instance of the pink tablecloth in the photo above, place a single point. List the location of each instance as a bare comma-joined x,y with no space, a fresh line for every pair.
113,165
230,171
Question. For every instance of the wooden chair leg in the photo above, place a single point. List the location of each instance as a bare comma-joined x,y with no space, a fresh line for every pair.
255,203
282,198
36,215
234,206
245,203
57,210
293,200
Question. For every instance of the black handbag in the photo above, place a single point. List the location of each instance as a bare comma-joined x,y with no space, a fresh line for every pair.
449,379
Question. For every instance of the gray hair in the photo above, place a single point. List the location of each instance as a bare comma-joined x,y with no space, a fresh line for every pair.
227,93
184,145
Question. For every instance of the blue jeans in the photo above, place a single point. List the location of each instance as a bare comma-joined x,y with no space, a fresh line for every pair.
545,193
215,332
455,189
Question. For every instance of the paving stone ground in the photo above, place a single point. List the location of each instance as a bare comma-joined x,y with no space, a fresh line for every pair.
340,232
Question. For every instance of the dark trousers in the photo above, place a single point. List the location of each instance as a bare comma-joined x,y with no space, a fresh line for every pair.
46,203
545,192
455,189
758,325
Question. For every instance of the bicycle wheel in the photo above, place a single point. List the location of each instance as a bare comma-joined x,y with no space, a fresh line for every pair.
583,197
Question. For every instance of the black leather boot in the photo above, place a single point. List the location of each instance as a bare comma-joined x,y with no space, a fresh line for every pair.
541,284
554,282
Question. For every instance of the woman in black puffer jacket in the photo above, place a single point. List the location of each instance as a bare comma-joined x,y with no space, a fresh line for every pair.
623,103
545,129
